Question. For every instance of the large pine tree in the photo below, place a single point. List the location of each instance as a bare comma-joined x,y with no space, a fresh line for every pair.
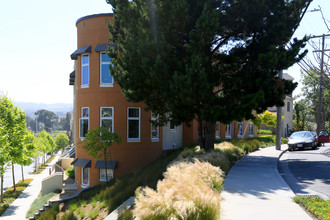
208,60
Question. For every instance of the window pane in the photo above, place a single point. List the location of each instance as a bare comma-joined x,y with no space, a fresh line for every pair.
105,58
85,75
85,176
133,129
106,76
85,59
217,129
107,123
83,127
172,126
134,112
106,112
103,175
154,131
85,112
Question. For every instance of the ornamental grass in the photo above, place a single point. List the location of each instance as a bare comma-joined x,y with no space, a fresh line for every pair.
195,196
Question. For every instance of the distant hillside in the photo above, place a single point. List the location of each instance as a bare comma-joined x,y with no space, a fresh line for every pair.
60,109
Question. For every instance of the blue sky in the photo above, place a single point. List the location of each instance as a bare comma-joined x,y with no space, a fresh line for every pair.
37,38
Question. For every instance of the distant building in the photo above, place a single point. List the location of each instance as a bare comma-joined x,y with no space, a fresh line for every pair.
287,112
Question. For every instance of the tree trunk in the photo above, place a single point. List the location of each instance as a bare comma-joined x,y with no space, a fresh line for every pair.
12,168
22,173
36,164
206,135
201,137
209,136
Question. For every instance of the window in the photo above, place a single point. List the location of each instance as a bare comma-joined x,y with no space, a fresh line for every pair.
84,122
133,124
103,174
84,177
106,118
240,129
105,76
251,129
217,130
288,106
172,127
84,70
228,131
154,128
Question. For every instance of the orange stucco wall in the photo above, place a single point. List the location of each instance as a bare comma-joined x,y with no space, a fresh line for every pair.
129,156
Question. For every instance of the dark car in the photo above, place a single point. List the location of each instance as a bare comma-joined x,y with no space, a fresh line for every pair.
301,140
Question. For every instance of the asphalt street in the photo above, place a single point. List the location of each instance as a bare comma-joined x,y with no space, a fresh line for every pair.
307,172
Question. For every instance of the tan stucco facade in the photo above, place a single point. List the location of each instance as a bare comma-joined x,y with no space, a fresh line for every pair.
93,31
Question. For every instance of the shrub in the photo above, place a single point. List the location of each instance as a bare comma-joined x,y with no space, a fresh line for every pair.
69,216
70,173
262,131
51,213
196,194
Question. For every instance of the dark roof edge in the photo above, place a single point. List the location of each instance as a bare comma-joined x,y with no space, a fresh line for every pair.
94,15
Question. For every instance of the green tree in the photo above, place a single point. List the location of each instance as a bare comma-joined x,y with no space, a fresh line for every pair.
13,134
48,118
301,115
98,143
310,89
45,143
205,59
29,151
268,118
61,141
3,153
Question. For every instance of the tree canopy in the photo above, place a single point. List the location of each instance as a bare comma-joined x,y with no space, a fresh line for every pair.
48,118
205,59
98,143
310,89
61,141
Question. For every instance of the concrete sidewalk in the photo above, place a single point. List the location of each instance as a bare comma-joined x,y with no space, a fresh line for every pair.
253,189
19,208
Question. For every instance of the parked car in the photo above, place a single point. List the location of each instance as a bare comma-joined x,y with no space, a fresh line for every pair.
314,133
323,137
301,140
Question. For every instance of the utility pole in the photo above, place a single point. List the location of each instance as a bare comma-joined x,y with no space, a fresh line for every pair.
319,110
279,121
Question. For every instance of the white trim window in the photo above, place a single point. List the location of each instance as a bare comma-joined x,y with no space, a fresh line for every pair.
85,71
288,106
228,131
84,177
240,128
217,130
103,177
106,79
84,122
154,128
106,118
251,129
133,124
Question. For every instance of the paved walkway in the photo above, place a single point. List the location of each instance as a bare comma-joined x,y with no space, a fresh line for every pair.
253,189
18,209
